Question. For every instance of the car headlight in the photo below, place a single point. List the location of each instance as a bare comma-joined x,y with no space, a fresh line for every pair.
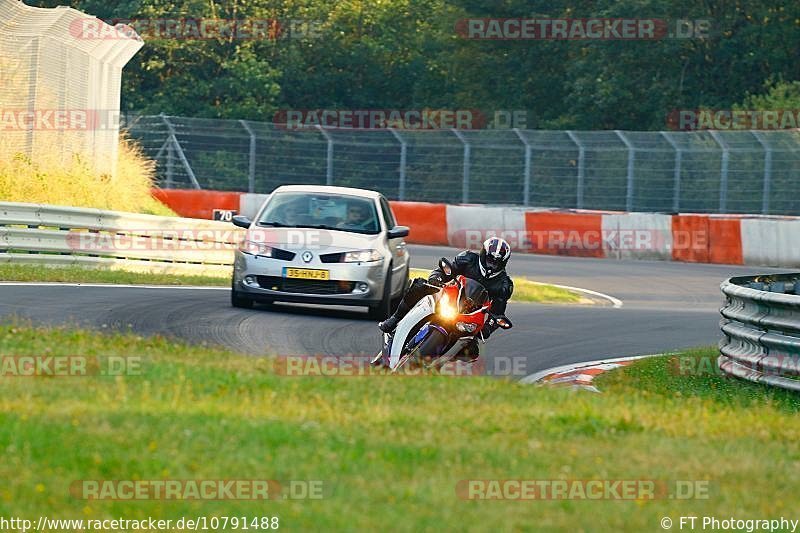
255,248
466,327
447,309
362,256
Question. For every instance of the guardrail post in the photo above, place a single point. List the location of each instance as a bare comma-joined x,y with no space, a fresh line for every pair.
631,165
251,169
723,171
765,191
581,168
676,177
401,187
527,180
329,156
465,178
177,147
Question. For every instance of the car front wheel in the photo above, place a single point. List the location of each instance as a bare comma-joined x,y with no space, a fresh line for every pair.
237,300
383,309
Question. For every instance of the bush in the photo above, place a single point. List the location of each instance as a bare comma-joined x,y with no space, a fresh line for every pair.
75,183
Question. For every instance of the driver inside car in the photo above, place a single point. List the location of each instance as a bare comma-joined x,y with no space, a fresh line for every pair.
357,216
487,267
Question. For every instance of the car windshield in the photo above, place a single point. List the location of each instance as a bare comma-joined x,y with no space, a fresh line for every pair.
322,211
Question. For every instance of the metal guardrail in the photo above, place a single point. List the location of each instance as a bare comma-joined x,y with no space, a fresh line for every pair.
761,328
55,235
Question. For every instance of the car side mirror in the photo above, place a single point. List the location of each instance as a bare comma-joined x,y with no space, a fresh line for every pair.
446,267
398,232
241,221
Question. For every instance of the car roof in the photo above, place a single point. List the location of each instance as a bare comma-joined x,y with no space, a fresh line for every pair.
350,191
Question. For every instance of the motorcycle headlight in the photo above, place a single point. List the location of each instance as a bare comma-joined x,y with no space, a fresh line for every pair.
255,248
362,256
466,327
447,309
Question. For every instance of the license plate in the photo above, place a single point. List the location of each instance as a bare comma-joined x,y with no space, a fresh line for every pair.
305,273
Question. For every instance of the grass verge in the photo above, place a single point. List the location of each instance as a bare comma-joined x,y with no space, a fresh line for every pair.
386,459
526,290
77,274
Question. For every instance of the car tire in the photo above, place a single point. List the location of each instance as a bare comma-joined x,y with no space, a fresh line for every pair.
407,282
237,300
383,309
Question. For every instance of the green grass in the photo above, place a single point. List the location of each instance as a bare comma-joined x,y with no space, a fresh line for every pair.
526,290
77,274
389,450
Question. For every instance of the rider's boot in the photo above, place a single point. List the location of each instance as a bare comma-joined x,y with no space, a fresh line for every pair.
390,324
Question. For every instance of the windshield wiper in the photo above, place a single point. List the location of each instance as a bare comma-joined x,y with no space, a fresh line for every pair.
275,224
350,230
319,226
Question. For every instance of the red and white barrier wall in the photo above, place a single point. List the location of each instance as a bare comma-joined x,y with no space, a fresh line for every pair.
727,239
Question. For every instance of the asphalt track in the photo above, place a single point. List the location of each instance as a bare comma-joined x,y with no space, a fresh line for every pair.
666,306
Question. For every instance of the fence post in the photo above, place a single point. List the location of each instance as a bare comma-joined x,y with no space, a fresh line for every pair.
329,164
465,179
581,168
401,188
765,191
251,169
676,178
174,144
170,153
723,171
526,191
166,146
631,165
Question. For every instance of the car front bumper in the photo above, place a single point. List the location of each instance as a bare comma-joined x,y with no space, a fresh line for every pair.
262,278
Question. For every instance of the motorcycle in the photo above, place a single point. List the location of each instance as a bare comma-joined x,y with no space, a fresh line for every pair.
441,324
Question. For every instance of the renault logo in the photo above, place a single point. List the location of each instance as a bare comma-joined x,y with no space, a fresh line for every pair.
307,257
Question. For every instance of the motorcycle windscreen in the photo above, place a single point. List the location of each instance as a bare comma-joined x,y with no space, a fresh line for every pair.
473,296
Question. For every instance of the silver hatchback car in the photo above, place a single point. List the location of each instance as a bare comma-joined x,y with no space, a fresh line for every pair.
322,245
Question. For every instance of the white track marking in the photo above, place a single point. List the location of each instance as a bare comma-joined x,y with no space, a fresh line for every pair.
615,302
108,285
533,378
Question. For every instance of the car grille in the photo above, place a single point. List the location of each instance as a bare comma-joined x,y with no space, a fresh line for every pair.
331,258
305,286
283,255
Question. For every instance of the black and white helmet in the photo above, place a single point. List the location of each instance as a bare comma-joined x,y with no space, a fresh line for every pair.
494,256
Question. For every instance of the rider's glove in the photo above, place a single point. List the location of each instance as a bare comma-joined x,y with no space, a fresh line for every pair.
435,279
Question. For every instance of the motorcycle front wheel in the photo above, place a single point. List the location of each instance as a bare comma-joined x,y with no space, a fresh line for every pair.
430,347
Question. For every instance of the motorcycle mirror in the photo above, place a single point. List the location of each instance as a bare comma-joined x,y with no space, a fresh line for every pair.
446,266
503,322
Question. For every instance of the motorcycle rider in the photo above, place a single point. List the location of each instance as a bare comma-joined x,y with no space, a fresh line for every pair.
487,267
